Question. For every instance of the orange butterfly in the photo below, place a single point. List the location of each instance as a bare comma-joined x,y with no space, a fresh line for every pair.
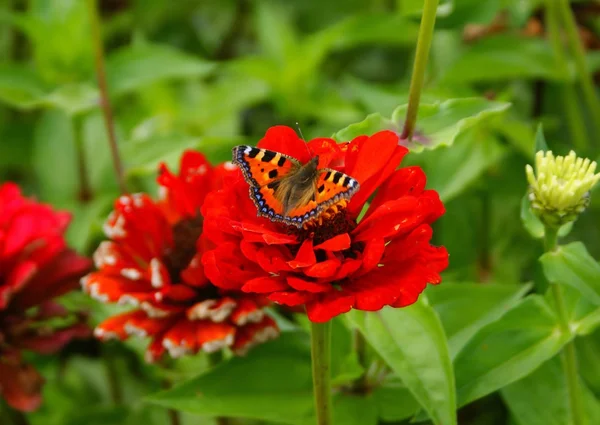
284,190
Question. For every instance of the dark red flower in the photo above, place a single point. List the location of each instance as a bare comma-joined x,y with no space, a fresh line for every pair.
153,263
344,260
36,266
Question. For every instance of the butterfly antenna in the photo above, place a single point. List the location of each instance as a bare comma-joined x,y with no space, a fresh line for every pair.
302,135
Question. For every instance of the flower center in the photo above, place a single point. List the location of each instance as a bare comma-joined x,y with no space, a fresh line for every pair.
331,223
185,235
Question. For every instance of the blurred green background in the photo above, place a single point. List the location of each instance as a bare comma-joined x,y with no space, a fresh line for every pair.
214,73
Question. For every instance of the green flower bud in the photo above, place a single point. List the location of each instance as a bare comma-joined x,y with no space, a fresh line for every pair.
561,189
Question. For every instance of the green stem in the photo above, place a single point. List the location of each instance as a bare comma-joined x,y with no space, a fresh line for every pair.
572,108
112,375
321,370
578,51
568,355
104,99
361,384
85,189
418,75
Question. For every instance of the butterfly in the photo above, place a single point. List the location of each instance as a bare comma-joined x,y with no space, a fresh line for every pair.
286,191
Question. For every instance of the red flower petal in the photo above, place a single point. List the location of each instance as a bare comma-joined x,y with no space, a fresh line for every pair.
290,298
181,338
371,160
390,218
212,337
246,312
300,284
409,181
20,386
263,285
324,269
305,256
285,140
372,254
253,334
217,310
328,306
16,279
55,341
337,243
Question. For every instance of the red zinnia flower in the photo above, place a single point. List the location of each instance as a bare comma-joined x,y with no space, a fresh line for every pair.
343,260
35,267
153,262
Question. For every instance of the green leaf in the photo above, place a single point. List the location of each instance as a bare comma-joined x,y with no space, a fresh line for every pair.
465,308
540,140
55,157
275,32
374,28
73,98
20,86
542,399
411,341
439,124
143,156
273,383
505,57
572,265
451,170
507,349
394,401
134,67
588,356
370,125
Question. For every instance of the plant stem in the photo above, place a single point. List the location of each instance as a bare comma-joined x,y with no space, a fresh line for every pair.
568,355
578,51
361,384
104,100
172,414
572,109
85,190
418,75
321,370
112,375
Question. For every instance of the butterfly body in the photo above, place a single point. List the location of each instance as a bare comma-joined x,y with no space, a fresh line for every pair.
287,191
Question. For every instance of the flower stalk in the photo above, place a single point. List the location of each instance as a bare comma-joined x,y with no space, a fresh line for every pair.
572,108
568,355
578,51
321,370
104,99
418,75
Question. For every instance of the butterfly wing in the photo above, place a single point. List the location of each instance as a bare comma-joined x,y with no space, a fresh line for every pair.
331,187
263,169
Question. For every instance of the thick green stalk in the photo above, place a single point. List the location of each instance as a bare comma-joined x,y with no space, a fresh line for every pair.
572,107
418,75
104,99
321,370
578,51
568,355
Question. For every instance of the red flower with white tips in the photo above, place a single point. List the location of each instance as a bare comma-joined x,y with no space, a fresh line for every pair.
343,260
36,266
152,262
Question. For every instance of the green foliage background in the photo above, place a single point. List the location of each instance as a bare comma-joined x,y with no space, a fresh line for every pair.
214,73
